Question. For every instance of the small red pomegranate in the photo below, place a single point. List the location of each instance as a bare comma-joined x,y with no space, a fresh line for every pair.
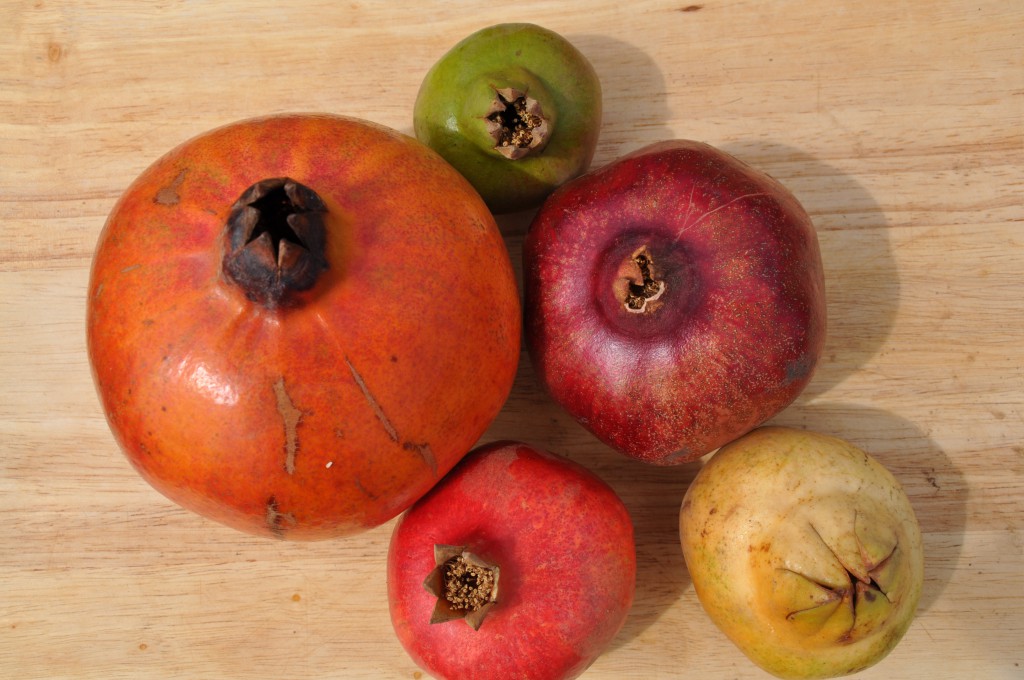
298,324
519,564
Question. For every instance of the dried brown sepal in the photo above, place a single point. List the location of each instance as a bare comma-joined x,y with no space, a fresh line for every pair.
517,124
637,283
274,240
465,585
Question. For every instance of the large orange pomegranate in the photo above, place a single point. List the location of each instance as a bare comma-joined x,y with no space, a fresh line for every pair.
297,324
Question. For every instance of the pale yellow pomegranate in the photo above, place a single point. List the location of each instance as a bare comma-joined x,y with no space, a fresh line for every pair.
804,551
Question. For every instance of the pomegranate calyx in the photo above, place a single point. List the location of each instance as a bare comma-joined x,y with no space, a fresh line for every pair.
637,284
517,123
465,585
275,240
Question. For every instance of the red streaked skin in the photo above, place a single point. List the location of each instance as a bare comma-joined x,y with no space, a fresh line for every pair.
563,542
330,413
741,322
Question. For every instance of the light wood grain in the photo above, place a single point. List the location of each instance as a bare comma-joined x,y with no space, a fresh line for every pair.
900,125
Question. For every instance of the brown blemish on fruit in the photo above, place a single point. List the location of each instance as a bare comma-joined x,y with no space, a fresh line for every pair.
799,368
517,124
278,522
422,448
425,452
291,417
465,585
363,490
168,195
372,401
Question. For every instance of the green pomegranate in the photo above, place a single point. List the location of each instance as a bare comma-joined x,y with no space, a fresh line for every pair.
516,109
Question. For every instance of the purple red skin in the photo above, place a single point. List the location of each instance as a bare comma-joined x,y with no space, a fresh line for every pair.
742,324
563,541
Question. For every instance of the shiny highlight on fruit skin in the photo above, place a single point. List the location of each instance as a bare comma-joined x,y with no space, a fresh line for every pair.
297,324
804,551
516,108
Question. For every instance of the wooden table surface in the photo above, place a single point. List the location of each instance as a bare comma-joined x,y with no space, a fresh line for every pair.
899,125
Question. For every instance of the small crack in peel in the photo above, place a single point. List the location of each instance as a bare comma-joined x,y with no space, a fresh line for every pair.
377,410
423,449
291,417
425,452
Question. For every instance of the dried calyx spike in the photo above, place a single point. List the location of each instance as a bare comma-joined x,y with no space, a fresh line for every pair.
639,284
275,240
465,585
517,124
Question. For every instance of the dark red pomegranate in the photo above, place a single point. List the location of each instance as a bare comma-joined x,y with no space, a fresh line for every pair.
674,300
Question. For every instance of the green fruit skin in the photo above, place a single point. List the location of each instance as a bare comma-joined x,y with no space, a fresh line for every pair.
457,92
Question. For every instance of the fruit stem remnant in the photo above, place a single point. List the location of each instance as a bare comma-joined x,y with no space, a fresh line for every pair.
517,124
275,240
642,288
465,585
